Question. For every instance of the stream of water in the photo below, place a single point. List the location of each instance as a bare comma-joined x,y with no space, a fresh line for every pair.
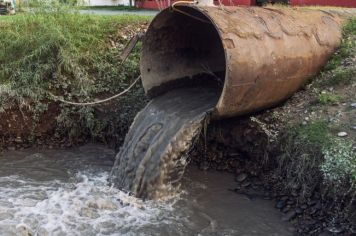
153,157
66,192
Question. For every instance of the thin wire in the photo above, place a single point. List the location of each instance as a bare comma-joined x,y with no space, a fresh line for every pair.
187,14
96,102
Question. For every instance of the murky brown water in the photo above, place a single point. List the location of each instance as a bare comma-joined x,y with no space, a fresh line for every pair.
152,159
66,192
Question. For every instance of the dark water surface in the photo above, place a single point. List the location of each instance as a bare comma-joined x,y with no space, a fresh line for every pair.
66,192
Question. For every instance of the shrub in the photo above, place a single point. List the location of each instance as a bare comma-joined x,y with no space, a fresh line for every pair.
339,164
301,157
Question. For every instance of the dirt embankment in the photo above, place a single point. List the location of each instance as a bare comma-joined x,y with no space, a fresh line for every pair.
30,115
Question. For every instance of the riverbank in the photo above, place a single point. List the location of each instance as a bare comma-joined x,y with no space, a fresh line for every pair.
301,154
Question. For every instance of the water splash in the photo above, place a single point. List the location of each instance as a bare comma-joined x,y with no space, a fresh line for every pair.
84,206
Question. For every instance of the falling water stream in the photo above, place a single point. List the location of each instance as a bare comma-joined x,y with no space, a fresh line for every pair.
153,157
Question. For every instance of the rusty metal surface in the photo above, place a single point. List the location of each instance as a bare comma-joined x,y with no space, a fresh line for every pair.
269,53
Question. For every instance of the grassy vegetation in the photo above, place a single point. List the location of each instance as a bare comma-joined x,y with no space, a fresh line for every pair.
339,165
327,98
347,48
53,49
312,155
335,73
301,157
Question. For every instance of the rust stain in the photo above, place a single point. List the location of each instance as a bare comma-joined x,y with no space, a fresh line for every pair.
269,53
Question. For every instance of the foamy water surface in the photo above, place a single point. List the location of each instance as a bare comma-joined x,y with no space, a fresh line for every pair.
66,192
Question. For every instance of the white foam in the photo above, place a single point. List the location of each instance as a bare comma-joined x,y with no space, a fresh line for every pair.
84,206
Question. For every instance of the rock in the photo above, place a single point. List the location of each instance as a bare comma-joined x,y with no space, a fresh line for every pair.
284,198
18,140
289,216
280,204
286,209
334,229
311,203
290,202
313,211
318,205
353,105
241,177
246,184
298,210
342,134
353,127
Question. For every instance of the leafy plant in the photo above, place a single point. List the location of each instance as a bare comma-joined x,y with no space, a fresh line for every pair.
339,162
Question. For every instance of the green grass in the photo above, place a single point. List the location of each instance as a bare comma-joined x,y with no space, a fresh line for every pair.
339,164
316,132
312,155
347,47
301,157
335,73
326,98
54,49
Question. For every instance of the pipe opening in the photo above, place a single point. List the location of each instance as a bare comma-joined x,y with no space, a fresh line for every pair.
182,48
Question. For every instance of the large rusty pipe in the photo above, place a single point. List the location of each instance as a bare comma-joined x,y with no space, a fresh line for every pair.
262,55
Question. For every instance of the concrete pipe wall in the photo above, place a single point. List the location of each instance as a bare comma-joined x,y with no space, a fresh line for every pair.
260,56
